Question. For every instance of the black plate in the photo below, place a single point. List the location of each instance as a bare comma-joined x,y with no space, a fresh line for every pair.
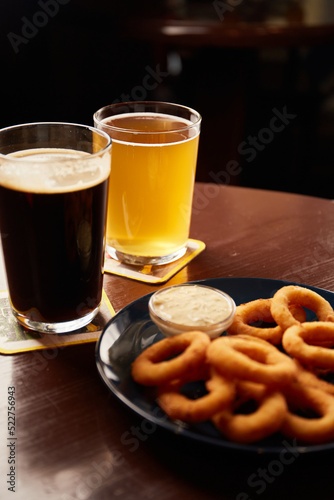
131,330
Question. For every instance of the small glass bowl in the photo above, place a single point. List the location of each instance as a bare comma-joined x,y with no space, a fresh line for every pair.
182,308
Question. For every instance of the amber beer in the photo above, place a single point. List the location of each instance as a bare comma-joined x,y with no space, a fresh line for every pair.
52,221
154,154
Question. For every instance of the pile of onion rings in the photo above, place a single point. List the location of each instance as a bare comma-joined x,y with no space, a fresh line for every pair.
253,381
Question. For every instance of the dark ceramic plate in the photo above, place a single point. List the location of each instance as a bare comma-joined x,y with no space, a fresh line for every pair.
131,330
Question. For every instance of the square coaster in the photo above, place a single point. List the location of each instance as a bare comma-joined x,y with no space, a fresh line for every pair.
15,338
154,274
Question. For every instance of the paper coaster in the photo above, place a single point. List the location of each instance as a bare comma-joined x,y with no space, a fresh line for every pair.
15,338
154,274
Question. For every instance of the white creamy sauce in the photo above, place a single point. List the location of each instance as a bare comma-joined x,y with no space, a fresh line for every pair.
192,305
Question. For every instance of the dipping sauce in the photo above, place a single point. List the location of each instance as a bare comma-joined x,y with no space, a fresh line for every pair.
183,308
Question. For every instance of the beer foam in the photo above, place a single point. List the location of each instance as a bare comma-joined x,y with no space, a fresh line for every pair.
52,170
164,124
166,121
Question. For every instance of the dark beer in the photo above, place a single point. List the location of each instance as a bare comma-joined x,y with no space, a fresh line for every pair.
53,244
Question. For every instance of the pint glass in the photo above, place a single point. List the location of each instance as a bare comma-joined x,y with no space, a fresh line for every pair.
153,167
53,195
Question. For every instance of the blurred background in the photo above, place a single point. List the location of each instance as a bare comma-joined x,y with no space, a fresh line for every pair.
261,73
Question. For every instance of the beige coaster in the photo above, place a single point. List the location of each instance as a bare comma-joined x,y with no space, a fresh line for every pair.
154,274
15,338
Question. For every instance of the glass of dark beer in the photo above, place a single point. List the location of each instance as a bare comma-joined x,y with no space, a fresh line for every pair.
53,198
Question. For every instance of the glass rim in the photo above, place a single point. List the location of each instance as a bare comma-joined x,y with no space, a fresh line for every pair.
148,103
72,124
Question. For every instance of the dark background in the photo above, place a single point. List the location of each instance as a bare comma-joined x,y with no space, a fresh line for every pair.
83,55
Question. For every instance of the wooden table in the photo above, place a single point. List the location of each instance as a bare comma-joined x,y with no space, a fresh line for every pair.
76,441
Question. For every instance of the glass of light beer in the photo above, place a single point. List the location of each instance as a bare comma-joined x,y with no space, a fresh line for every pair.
53,199
153,165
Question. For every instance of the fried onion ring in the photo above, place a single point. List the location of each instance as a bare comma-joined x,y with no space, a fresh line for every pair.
302,342
266,419
250,358
221,392
243,382
154,366
309,430
259,310
308,378
292,294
